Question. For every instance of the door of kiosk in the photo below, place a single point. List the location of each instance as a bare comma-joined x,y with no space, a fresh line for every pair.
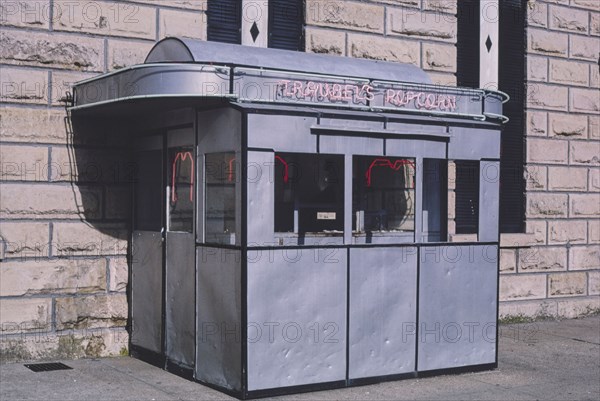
163,249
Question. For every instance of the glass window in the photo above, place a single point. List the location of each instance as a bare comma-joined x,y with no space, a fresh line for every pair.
181,188
220,176
309,193
148,191
435,200
383,194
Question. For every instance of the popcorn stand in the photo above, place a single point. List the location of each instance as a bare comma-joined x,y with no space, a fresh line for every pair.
290,220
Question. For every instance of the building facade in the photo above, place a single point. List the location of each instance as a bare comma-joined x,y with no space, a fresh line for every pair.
65,226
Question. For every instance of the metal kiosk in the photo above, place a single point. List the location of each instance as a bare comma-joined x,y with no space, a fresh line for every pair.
290,222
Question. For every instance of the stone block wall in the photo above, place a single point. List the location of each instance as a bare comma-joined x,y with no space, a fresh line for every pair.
419,32
558,275
64,206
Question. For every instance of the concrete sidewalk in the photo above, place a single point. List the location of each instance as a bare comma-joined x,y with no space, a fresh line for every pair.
538,361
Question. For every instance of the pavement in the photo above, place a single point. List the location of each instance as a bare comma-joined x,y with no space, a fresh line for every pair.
550,360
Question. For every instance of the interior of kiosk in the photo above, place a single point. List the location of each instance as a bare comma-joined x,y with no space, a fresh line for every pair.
290,217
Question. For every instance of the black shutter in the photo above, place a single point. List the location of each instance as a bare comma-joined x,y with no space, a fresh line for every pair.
285,24
512,70
467,75
224,21
512,81
467,51
467,196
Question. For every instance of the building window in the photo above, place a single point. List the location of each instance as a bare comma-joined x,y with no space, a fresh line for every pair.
224,19
277,24
511,79
286,20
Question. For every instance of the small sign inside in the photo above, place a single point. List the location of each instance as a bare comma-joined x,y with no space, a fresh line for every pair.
325,215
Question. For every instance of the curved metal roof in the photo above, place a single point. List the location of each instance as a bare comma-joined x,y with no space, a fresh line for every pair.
175,50
186,71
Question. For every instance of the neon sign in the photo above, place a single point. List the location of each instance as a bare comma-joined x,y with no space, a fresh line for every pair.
183,156
420,100
230,172
396,165
300,90
312,90
286,167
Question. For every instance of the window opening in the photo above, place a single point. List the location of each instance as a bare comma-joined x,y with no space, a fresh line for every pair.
383,194
309,193
220,177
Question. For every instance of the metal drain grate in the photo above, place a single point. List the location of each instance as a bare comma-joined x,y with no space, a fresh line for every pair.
47,367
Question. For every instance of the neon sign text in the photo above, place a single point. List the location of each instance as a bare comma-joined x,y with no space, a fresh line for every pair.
421,100
320,90
361,93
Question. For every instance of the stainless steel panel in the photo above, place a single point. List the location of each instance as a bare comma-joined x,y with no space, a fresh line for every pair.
352,124
152,80
146,290
296,317
219,130
180,306
218,347
493,103
350,145
261,198
282,133
290,239
167,119
180,137
473,144
457,306
489,200
260,84
428,99
383,311
384,238
416,128
186,50
415,148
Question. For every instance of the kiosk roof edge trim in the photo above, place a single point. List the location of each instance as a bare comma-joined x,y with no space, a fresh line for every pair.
185,71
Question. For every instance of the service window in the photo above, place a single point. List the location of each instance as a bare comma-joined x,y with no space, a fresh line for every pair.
220,178
181,188
309,193
383,196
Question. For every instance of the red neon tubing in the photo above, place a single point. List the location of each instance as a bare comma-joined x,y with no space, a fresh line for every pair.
183,156
230,172
286,170
387,163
